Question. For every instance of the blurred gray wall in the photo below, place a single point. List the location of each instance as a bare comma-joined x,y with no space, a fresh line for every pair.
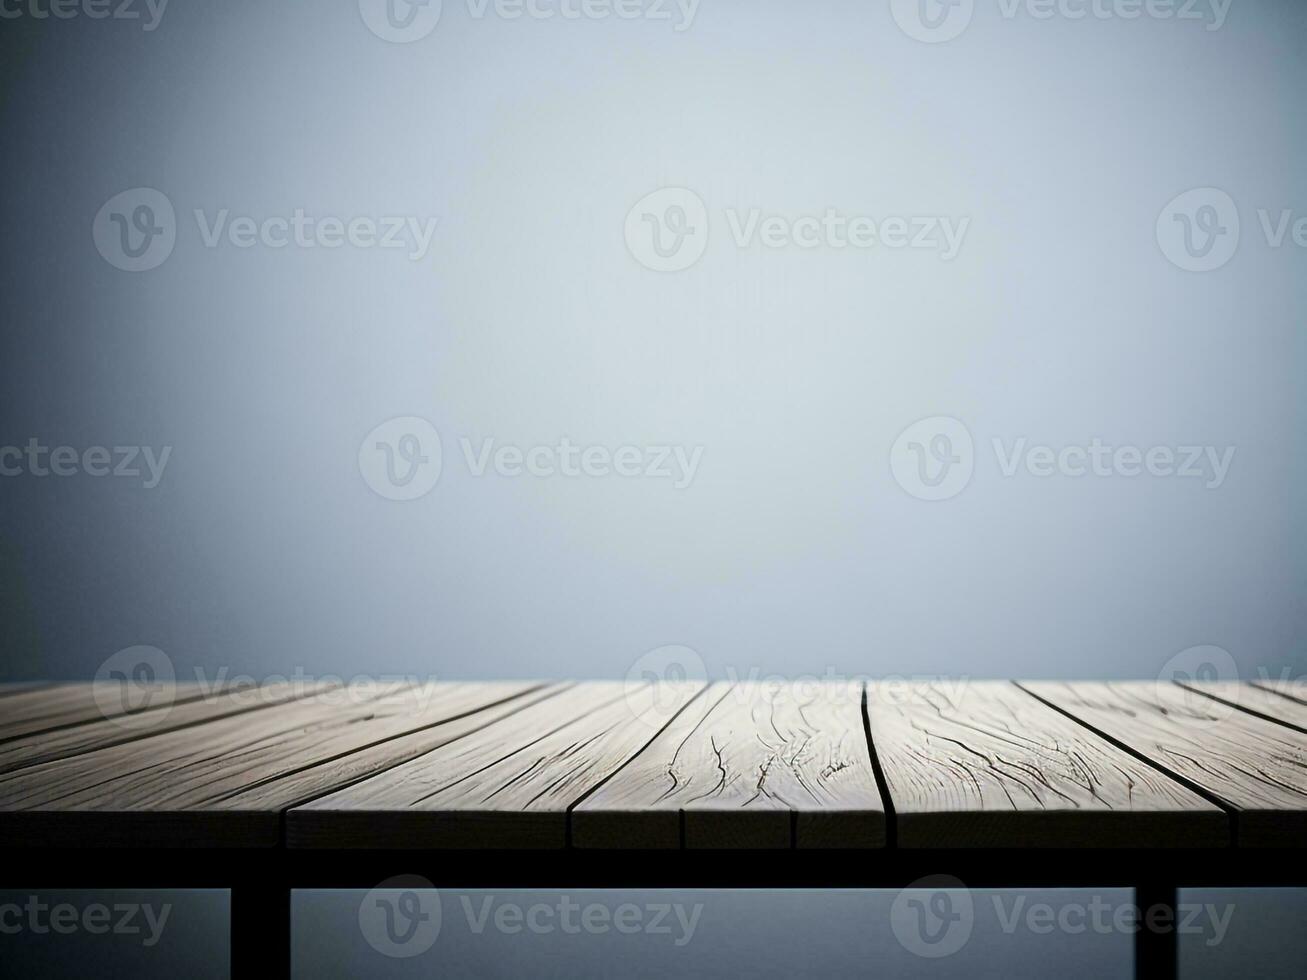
531,317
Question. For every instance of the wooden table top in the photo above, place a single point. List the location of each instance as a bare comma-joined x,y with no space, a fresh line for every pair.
601,764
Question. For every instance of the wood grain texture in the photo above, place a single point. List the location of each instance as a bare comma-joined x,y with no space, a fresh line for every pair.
1289,687
1255,700
984,764
49,707
225,782
30,750
1258,768
18,687
508,785
746,765
525,765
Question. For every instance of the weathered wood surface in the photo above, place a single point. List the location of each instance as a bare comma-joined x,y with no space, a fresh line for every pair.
100,733
17,687
984,764
1290,687
1263,701
226,782
508,785
605,765
746,765
47,708
1255,767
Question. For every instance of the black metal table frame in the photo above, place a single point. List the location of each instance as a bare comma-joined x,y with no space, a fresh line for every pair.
261,879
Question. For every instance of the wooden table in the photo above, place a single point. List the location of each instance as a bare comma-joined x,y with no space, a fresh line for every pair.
501,784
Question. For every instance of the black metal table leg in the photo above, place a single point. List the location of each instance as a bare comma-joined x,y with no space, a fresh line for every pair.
260,927
1156,940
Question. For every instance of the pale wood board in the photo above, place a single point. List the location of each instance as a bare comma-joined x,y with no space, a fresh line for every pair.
1254,699
984,764
507,786
49,707
31,750
1257,768
227,781
746,765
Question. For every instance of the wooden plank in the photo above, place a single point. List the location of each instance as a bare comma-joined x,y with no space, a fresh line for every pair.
1289,687
1258,768
18,687
746,765
225,783
1254,699
56,706
508,785
61,743
984,764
